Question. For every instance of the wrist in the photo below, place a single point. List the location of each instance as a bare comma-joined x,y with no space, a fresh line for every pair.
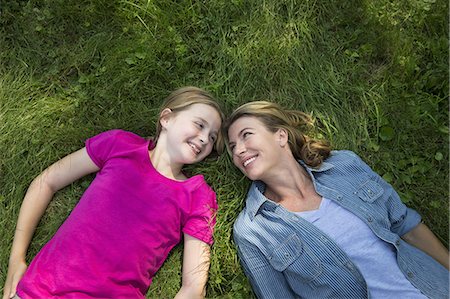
17,258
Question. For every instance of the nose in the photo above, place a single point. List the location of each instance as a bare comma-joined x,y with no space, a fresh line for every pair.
239,148
203,137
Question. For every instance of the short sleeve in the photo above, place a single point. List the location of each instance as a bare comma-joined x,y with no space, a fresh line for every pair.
202,217
100,147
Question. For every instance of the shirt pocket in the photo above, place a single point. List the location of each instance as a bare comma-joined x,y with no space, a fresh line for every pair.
369,191
293,256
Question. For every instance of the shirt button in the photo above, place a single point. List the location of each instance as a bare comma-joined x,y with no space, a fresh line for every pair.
294,218
349,265
410,275
397,242
370,219
339,197
370,192
286,254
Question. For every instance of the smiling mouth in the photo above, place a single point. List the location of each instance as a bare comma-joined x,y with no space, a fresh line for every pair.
248,161
194,148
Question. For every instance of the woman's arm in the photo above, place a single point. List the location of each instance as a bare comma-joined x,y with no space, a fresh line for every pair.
424,239
196,256
36,200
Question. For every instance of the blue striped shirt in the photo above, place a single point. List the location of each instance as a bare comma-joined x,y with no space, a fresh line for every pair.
285,256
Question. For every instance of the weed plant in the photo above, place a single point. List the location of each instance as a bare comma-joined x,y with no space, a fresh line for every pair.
374,74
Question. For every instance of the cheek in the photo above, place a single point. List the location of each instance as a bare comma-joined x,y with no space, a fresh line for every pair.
235,161
209,149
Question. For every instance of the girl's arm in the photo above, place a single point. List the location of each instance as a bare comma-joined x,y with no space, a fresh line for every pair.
196,255
424,239
36,200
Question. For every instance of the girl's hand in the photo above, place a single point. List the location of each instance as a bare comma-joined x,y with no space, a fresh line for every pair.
15,273
37,198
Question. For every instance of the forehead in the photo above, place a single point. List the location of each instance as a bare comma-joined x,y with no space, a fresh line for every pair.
242,123
205,112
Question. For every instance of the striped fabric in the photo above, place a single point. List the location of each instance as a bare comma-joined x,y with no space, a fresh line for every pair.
285,256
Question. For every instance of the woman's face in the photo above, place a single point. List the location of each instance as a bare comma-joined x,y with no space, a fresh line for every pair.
254,149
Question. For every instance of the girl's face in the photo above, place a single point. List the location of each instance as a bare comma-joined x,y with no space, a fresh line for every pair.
191,133
254,149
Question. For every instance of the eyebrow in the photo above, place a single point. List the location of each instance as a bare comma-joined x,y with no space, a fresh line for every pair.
239,134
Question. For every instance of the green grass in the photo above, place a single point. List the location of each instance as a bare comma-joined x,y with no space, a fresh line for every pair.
373,73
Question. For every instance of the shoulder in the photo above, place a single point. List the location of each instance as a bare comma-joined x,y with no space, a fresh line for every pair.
106,145
347,163
344,159
243,226
342,156
121,139
118,135
201,192
125,136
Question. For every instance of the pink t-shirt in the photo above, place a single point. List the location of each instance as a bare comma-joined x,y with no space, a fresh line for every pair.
123,227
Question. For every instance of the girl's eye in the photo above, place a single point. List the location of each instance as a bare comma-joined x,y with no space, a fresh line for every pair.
213,138
245,135
232,148
199,125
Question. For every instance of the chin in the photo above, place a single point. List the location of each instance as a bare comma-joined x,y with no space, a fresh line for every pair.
251,176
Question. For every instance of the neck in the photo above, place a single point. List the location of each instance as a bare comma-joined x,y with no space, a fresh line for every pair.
164,165
293,189
289,181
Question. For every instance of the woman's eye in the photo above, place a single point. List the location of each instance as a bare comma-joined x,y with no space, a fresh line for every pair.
213,138
245,135
199,124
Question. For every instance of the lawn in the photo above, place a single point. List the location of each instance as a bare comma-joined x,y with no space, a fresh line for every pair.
374,74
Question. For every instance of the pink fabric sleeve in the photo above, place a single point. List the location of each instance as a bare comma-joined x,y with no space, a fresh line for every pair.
100,147
202,219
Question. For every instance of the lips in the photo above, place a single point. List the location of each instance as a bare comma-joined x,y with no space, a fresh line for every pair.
195,148
248,161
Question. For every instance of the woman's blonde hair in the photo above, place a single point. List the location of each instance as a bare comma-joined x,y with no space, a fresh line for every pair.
181,98
296,123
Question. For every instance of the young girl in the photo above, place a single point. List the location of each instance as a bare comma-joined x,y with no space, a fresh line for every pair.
133,213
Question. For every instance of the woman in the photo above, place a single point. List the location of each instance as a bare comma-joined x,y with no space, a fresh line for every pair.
320,223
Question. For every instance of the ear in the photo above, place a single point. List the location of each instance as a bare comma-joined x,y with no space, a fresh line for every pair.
283,137
164,117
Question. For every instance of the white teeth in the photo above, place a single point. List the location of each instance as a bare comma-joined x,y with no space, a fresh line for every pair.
195,148
249,161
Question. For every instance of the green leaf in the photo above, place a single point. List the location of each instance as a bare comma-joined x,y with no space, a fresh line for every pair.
130,60
406,179
83,79
386,133
373,146
388,177
435,204
406,197
140,55
439,156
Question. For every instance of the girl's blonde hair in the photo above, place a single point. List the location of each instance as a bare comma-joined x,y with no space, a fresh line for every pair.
181,99
296,123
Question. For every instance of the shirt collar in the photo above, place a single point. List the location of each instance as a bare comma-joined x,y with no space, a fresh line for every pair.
256,198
